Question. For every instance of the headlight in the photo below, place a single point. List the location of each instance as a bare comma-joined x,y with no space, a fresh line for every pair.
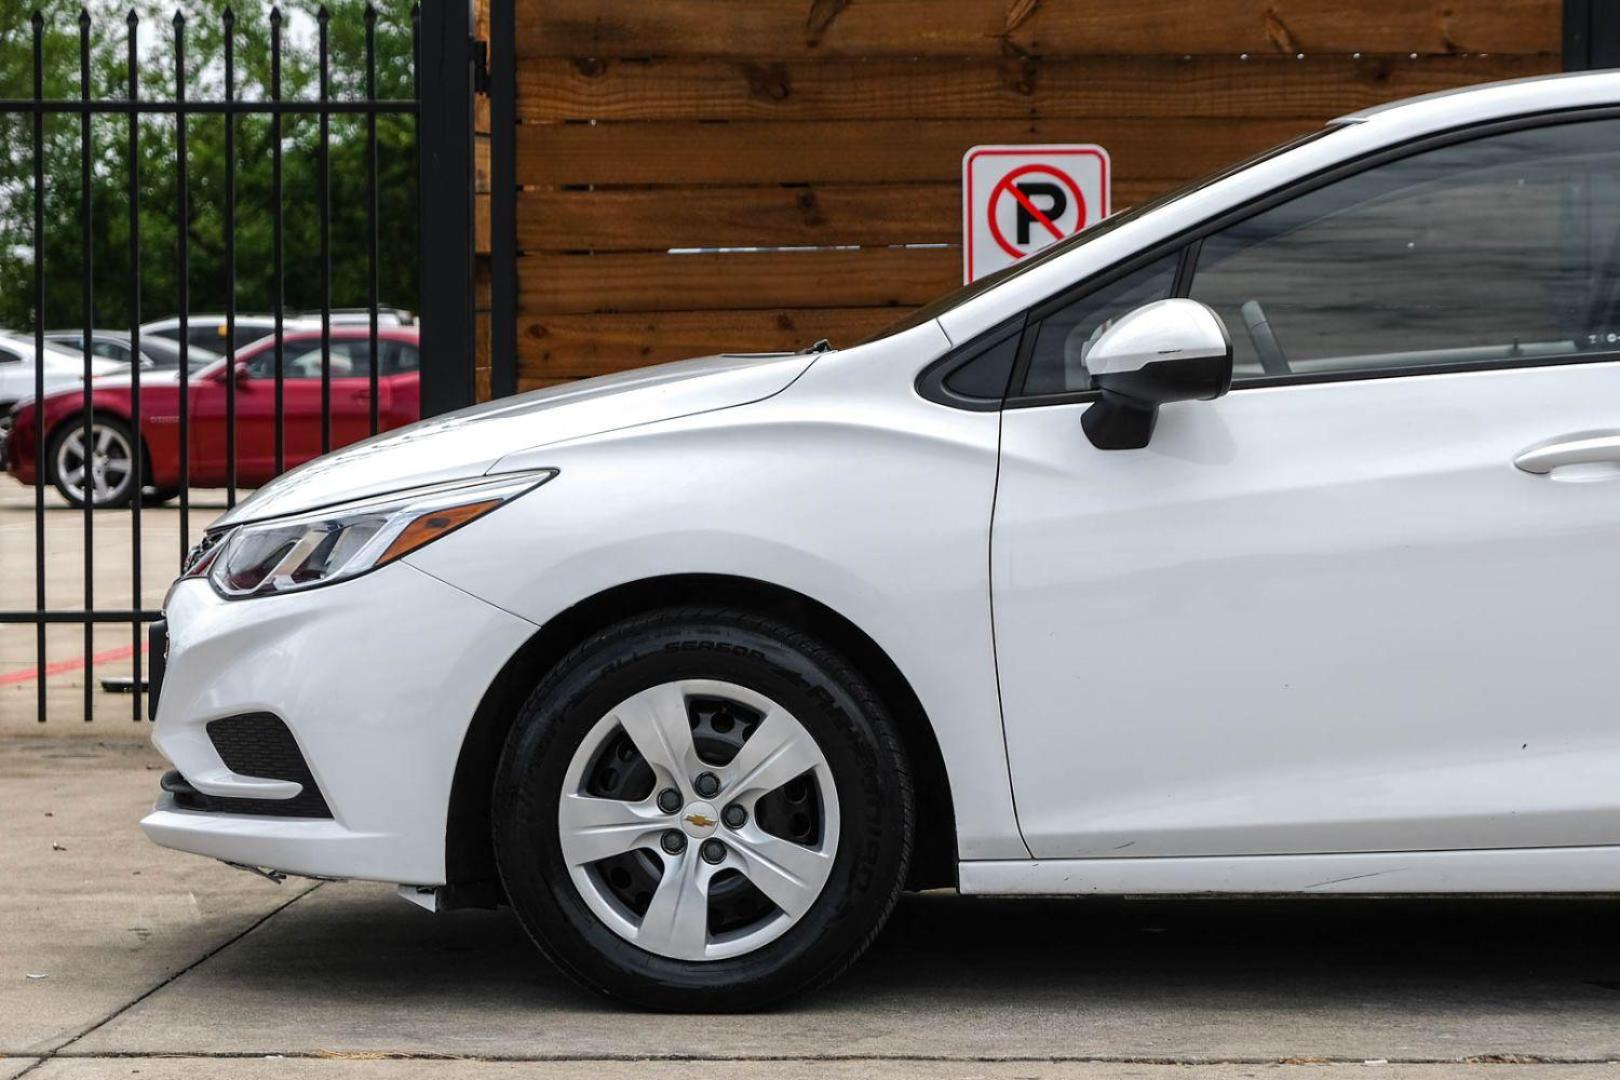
288,554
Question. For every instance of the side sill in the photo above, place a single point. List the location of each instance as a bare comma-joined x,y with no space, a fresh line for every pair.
1500,870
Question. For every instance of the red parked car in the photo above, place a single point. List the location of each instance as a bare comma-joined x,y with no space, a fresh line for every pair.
108,469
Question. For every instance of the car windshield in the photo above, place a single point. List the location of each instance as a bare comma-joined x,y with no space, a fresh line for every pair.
967,292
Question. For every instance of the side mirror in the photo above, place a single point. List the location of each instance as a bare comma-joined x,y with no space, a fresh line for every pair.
1169,350
240,374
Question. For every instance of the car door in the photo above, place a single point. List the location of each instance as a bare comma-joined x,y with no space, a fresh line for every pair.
348,397
1357,604
402,380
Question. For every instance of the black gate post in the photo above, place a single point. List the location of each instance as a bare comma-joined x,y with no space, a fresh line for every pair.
503,197
1591,34
445,200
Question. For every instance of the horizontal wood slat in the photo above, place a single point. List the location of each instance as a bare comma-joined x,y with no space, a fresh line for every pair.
660,218
861,151
870,277
555,89
754,29
576,345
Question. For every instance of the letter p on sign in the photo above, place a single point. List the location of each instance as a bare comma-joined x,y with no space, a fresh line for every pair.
1018,199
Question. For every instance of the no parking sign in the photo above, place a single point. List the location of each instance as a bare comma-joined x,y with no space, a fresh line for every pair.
1018,199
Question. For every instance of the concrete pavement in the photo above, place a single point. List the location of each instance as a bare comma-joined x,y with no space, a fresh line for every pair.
165,965
863,1069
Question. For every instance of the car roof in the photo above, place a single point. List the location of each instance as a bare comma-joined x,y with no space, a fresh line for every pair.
1495,101
117,335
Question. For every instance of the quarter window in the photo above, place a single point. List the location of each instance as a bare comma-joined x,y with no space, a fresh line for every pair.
1500,248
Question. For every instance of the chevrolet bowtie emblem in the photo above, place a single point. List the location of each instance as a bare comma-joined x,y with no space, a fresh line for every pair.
698,821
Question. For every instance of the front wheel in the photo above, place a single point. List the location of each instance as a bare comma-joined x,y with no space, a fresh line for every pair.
703,810
100,470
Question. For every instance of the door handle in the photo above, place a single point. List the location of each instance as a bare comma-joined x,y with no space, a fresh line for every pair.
1592,448
360,395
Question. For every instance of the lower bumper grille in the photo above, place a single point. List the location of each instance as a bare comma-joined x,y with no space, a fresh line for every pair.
257,745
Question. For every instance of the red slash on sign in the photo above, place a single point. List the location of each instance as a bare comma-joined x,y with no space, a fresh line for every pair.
1063,196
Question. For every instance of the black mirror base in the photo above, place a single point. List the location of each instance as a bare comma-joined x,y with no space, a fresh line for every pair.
1112,423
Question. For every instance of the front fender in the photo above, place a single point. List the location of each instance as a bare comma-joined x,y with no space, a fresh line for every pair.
873,503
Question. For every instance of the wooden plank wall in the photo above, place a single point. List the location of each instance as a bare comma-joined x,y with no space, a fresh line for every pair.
838,127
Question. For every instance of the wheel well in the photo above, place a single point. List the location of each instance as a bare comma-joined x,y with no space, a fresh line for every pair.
469,855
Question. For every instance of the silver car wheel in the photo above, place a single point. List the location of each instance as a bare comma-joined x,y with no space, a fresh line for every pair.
105,470
727,834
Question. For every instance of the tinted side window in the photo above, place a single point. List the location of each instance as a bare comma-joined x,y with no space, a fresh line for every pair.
1057,363
399,358
302,360
1503,247
110,350
8,357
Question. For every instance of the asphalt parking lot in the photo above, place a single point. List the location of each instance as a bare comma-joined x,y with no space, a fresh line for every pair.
118,958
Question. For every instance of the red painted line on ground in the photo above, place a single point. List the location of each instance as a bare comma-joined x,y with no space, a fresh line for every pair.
32,674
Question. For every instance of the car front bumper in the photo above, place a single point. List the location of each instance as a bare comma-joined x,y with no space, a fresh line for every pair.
376,679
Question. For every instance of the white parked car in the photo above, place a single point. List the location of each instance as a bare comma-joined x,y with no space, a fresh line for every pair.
18,373
698,667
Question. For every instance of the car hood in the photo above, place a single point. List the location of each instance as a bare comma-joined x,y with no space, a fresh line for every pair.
468,442
73,367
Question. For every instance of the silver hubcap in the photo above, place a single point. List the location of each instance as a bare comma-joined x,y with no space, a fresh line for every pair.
723,891
104,470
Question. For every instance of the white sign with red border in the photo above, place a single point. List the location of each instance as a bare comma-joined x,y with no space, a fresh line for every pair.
1018,199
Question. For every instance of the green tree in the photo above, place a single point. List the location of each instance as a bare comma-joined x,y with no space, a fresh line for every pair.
158,205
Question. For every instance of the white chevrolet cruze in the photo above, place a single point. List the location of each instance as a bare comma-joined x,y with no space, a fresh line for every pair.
698,667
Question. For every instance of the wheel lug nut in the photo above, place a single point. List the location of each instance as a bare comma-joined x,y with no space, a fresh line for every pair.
669,800
734,816
713,851
707,784
674,841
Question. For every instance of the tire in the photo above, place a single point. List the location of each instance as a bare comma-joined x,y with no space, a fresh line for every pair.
728,678
115,447
157,496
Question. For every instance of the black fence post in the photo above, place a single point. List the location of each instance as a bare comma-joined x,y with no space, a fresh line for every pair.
1591,34
445,149
503,197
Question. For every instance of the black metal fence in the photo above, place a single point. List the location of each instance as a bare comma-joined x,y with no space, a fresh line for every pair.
441,47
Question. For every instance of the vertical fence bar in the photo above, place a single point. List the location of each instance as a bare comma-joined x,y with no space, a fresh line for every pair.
228,19
38,22
92,464
137,630
503,198
373,255
445,140
324,198
182,274
277,252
